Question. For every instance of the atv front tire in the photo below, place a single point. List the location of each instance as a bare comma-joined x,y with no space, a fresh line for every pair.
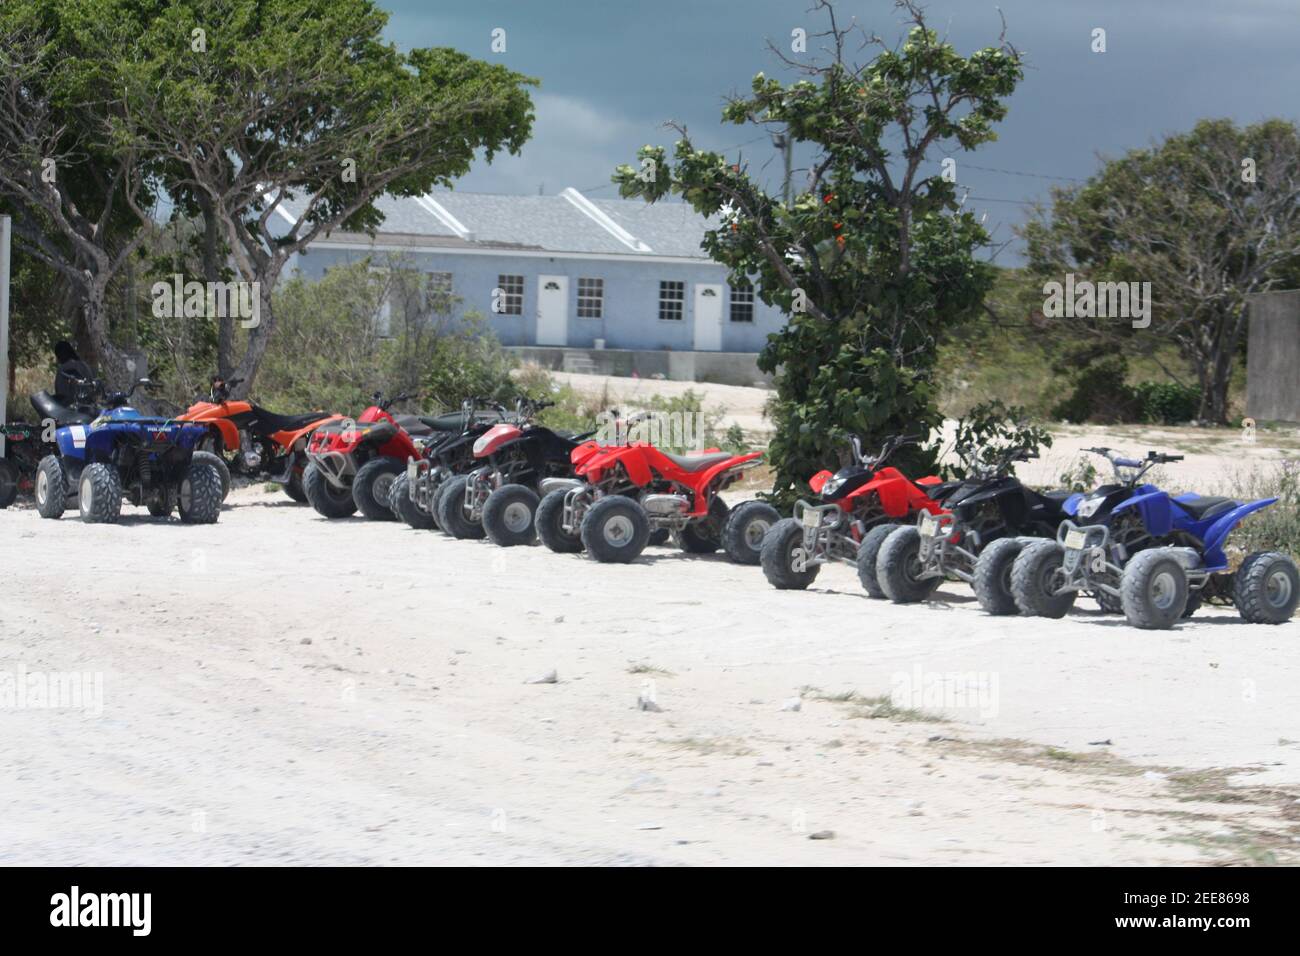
747,525
898,568
550,528
451,511
8,483
219,463
1154,589
509,515
704,536
1033,576
615,530
371,484
992,581
198,497
329,501
869,557
400,504
1266,588
51,488
783,557
99,494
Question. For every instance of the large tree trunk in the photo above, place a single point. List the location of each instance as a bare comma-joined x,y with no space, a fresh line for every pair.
259,337
109,362
212,272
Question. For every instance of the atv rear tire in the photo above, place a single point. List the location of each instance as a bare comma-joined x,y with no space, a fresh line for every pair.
747,525
198,497
509,516
219,463
99,494
51,488
704,536
293,487
8,483
1032,577
1154,589
658,538
452,516
161,502
549,518
400,504
869,557
898,565
783,557
993,576
1266,588
371,484
615,530
328,500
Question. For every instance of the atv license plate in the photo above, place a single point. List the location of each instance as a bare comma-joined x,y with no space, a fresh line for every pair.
811,519
929,525
1075,540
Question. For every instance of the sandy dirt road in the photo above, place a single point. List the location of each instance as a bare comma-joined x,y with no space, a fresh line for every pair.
279,688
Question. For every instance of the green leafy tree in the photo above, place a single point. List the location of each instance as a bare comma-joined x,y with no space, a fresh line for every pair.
874,258
1208,217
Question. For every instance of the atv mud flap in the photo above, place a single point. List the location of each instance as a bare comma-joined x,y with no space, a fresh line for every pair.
940,556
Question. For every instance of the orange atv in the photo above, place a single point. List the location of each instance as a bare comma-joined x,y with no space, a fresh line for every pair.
253,441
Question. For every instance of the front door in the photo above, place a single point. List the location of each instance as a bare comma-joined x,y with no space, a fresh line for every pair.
708,317
552,310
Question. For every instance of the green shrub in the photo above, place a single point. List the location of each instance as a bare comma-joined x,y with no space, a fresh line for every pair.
1098,393
1277,527
1167,403
988,430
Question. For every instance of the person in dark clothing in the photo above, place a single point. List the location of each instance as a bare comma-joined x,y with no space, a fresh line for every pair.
71,370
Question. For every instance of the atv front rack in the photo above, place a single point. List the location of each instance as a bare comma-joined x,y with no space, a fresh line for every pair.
940,555
823,533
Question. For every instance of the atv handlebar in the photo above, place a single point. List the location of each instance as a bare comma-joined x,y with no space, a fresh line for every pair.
1136,466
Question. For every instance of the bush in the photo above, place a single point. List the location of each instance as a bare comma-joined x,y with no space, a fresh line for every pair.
1098,393
1277,527
1167,403
988,430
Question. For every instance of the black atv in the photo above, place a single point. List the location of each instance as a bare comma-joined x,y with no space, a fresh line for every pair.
415,495
989,517
500,498
26,443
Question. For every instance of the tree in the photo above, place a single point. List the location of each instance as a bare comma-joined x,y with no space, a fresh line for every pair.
81,202
874,258
281,120
1207,217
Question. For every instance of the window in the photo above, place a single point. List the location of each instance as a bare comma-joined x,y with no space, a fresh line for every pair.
509,297
742,303
672,298
591,298
439,283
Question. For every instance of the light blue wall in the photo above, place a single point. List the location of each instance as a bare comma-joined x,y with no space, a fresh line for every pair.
631,318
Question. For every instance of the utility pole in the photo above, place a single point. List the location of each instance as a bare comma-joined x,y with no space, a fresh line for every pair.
6,225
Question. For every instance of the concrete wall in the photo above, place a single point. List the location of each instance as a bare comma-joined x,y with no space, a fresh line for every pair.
723,368
1273,357
631,307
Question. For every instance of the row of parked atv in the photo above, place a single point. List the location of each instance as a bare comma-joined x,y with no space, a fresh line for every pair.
488,471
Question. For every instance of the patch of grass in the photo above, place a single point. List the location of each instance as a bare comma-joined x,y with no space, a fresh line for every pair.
708,746
640,667
883,708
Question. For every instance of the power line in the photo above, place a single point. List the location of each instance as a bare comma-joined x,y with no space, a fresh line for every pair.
1017,172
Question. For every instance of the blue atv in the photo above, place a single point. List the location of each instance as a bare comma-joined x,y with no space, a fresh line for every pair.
1153,556
123,454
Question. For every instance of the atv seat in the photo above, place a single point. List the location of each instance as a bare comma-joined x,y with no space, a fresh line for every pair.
419,426
697,462
1060,497
1200,507
285,423
47,406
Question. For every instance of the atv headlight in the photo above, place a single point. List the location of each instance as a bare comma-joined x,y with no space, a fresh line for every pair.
1088,507
832,485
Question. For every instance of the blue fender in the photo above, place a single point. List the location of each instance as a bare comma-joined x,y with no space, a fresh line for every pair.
1155,508
1219,528
1071,505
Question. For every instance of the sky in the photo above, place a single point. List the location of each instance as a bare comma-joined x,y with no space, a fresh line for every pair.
612,72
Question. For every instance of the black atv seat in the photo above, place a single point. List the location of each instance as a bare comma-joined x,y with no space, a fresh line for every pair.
1208,506
418,426
697,462
1059,497
285,423
47,406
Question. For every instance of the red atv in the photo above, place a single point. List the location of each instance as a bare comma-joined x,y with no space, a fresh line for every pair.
625,493
353,463
858,506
